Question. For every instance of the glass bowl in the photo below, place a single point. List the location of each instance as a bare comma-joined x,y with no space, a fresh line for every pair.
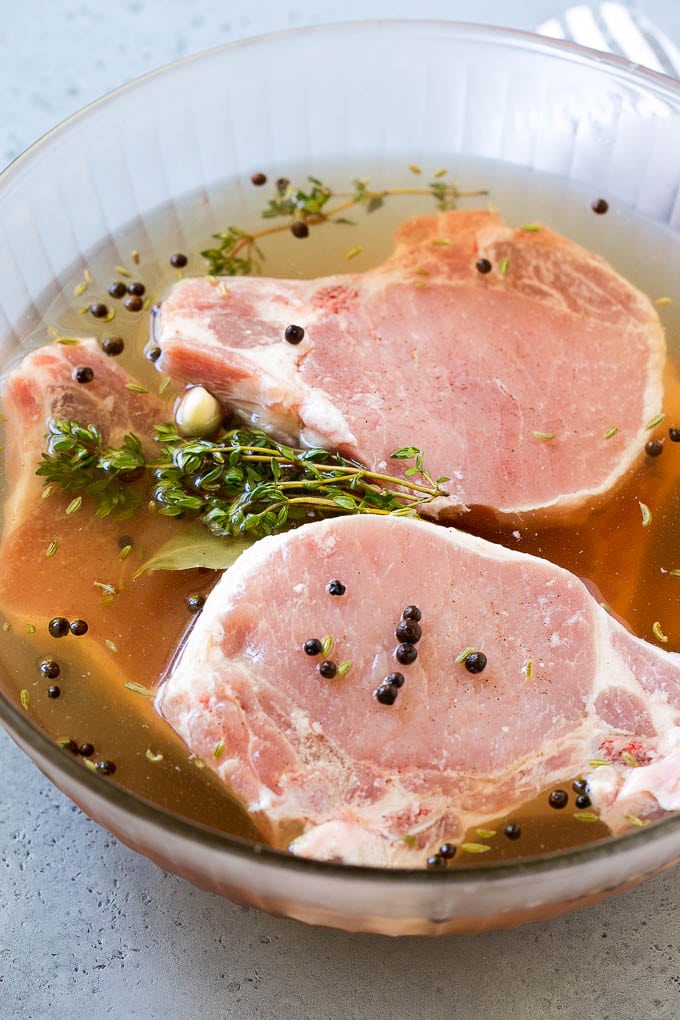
384,90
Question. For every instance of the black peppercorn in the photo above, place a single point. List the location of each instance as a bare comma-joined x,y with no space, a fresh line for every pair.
336,587
436,862
258,179
654,448
312,647
412,613
294,334
68,745
386,694
447,851
395,680
117,289
483,266
153,353
580,786
86,750
674,435
83,374
99,310
178,260
475,662
406,654
53,692
409,631
50,669
327,669
113,346
299,229
513,830
558,799
599,206
124,541
107,768
78,627
136,287
133,303
282,184
583,801
195,603
58,627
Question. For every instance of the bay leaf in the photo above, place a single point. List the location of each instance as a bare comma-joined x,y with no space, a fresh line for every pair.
196,547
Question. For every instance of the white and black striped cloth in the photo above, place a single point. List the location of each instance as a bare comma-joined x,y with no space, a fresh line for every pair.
615,28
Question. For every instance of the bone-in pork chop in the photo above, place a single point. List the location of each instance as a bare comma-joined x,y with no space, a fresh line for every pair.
335,771
528,385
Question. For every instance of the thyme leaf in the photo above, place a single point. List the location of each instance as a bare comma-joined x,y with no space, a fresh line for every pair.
312,203
243,483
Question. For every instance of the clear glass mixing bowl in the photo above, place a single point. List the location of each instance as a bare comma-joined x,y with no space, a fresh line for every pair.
388,90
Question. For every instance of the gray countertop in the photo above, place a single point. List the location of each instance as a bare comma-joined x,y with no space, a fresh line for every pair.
88,928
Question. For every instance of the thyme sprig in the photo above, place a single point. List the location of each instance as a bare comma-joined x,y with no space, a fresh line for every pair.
243,482
239,253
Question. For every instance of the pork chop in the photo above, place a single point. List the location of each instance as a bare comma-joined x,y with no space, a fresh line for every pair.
336,771
34,586
513,381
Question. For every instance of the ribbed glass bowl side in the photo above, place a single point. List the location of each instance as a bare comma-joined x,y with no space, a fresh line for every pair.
385,91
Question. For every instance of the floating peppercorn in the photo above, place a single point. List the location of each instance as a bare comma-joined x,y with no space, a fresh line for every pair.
336,587
294,334
447,851
58,627
513,830
53,692
124,541
299,229
312,647
86,750
483,266
395,680
654,448
136,287
599,206
195,603
436,862
406,654
78,627
580,786
107,768
583,801
99,310
327,669
258,179
84,374
674,435
153,353
409,631
386,694
133,303
558,799
50,669
117,289
113,346
475,662
412,613
68,745
178,260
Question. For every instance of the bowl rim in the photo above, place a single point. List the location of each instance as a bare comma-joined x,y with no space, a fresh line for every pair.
17,722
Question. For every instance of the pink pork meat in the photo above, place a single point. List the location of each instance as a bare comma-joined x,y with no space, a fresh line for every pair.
511,381
329,770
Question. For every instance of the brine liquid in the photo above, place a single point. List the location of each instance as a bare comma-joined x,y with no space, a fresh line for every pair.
630,566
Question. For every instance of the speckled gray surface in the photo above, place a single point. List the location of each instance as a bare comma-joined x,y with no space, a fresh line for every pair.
88,928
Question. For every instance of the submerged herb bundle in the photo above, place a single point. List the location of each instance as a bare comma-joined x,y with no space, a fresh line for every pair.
241,483
302,208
